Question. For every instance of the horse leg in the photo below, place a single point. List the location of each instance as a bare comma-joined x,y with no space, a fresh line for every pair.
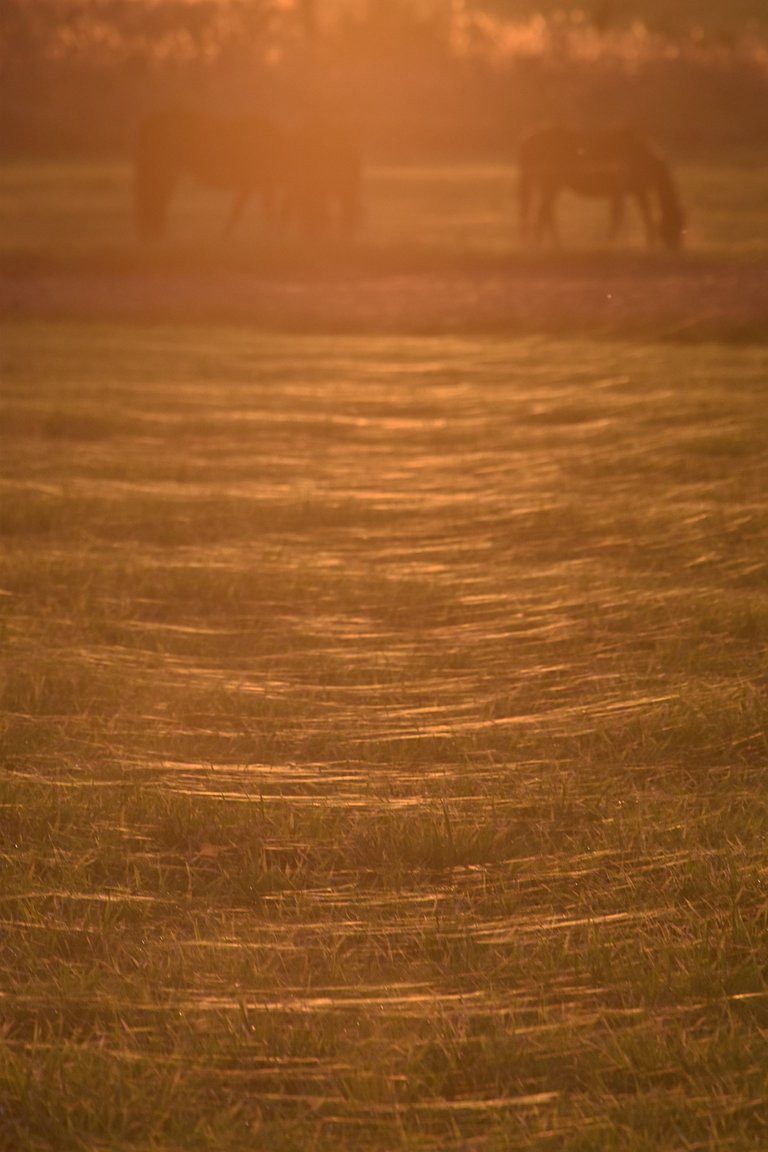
242,196
644,207
349,214
320,216
154,185
524,197
349,207
617,217
274,207
546,224
313,212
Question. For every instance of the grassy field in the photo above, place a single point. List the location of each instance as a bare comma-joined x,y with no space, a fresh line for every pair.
67,210
384,692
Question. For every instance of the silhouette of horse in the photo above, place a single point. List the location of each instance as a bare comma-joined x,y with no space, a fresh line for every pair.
617,164
243,156
309,176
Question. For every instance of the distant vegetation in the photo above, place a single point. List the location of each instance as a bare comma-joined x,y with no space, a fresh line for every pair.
76,74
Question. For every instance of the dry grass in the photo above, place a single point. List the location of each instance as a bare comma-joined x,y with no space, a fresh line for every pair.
383,739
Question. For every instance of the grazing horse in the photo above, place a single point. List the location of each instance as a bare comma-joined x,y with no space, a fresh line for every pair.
616,164
307,176
243,156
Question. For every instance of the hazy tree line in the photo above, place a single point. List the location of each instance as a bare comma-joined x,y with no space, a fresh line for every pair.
412,74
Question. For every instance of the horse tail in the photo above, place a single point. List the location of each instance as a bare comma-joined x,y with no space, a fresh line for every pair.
672,222
154,177
525,186
322,175
524,197
351,185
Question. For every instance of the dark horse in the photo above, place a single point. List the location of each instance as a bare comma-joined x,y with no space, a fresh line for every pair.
308,176
617,164
241,156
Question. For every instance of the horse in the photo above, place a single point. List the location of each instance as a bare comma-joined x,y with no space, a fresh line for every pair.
243,156
308,177
614,163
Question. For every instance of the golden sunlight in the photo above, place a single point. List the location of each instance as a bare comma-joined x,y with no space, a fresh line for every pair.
383,531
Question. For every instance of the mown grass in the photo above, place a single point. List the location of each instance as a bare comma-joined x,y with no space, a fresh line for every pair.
384,741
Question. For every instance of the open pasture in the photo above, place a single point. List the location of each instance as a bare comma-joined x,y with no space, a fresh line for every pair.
383,679
438,252
78,212
384,742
